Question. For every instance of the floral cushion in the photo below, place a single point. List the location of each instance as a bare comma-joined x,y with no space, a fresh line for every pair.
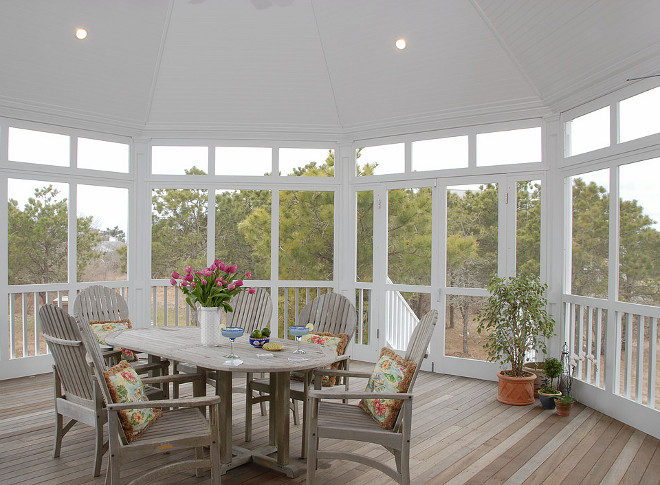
125,386
336,342
392,373
101,329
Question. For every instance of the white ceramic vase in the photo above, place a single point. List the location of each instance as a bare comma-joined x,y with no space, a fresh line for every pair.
209,322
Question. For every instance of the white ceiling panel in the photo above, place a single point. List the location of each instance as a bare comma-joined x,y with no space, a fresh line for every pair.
315,66
230,63
107,76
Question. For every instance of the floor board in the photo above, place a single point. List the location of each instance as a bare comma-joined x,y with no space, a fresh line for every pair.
461,435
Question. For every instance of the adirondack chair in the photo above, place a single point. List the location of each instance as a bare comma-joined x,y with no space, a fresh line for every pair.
342,421
332,313
250,312
183,424
99,303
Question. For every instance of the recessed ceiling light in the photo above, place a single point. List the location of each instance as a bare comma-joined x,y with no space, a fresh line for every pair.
400,44
81,33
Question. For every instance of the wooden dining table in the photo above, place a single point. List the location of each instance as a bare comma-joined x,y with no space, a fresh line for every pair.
184,345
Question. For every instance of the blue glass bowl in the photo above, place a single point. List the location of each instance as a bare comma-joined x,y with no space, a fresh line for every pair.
232,332
259,342
298,331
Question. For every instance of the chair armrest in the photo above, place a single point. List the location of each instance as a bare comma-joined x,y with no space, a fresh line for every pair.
147,366
341,373
315,394
172,378
187,402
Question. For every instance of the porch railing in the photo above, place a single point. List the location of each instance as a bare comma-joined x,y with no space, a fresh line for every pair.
626,334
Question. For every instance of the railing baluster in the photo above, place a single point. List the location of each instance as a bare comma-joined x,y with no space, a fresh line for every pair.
628,374
597,351
35,308
580,340
639,378
653,342
358,336
12,326
286,313
25,323
176,306
154,307
590,330
164,306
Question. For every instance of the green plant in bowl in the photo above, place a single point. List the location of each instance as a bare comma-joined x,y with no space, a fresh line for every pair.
553,369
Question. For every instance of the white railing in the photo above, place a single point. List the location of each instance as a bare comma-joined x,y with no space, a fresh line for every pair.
401,320
24,303
598,331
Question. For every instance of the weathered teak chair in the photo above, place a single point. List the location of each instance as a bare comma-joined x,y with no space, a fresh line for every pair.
99,303
250,312
332,313
341,421
77,395
182,425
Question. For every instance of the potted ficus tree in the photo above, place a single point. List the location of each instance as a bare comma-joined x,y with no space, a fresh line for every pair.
515,322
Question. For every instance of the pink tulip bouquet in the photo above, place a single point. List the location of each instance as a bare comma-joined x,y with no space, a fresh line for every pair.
211,287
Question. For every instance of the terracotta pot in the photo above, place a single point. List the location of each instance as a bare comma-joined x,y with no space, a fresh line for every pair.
517,391
563,408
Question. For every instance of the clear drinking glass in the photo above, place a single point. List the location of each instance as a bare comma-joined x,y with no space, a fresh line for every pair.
298,332
232,333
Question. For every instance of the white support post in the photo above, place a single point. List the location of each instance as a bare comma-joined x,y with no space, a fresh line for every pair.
139,235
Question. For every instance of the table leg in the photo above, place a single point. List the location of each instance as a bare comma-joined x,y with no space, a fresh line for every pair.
223,389
282,394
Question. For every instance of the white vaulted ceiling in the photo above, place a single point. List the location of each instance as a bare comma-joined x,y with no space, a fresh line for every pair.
315,66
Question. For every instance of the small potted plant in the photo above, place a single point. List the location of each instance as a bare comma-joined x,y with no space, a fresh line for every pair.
564,403
548,392
515,322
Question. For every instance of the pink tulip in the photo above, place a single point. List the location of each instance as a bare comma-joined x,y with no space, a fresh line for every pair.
248,275
184,283
175,275
204,281
173,282
213,267
188,277
216,261
193,284
189,269
231,286
218,280
222,266
239,282
252,291
233,268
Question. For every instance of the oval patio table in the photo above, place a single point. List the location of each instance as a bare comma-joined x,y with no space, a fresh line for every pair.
184,344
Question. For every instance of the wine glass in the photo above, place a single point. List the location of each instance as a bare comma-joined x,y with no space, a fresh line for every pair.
298,332
232,333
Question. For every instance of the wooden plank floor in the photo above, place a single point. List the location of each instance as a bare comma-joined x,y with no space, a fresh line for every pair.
461,434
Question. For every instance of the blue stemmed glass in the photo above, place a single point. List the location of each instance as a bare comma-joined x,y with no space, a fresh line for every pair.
232,333
298,332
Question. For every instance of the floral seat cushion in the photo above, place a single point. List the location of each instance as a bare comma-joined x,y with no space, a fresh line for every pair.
126,386
101,329
336,342
391,373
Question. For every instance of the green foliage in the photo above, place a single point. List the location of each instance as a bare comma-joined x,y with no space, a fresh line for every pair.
553,369
178,230
515,320
38,238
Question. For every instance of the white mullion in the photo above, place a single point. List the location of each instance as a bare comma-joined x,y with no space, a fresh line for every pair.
210,227
439,268
274,257
6,304
380,266
501,224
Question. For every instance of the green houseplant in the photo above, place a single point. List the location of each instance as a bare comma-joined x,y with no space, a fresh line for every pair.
553,369
515,321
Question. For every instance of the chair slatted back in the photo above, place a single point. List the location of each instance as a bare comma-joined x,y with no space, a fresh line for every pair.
417,348
251,312
331,312
99,304
65,343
